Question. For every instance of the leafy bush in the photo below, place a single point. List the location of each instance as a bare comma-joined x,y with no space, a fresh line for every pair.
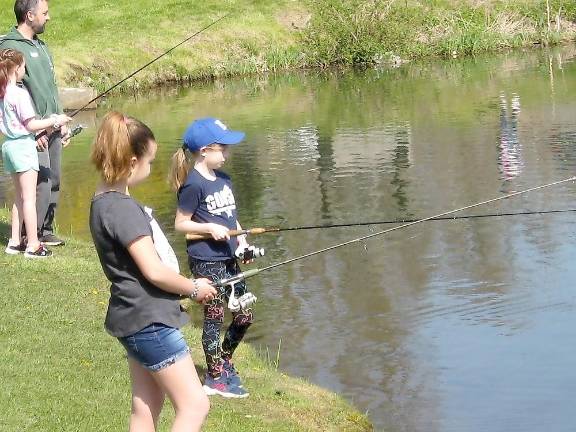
353,32
358,32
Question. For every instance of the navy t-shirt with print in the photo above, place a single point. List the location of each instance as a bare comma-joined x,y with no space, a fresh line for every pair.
210,201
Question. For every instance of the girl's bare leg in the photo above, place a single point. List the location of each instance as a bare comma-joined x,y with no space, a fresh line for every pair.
16,227
181,384
25,183
147,399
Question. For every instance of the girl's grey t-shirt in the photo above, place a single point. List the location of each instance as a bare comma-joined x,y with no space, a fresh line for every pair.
116,220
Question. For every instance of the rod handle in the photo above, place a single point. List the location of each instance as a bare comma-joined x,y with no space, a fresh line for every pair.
253,231
206,236
232,233
237,278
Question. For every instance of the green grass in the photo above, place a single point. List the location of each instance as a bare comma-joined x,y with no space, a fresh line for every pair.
97,43
386,31
62,372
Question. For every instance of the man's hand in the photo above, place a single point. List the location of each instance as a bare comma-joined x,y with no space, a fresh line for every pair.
42,141
65,132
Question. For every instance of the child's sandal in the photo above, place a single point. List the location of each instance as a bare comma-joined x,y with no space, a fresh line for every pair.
41,252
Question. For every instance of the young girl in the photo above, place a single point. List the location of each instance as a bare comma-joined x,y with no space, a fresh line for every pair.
206,205
17,123
144,311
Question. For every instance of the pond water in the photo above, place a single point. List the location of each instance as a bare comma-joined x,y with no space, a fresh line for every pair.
463,325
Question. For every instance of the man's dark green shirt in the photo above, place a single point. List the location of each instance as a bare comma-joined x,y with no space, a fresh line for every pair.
39,78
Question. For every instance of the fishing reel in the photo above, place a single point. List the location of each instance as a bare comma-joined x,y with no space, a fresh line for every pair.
241,303
236,304
249,253
76,130
72,133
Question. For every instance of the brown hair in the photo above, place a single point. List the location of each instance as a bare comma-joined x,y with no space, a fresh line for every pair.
182,164
10,59
119,138
179,168
22,7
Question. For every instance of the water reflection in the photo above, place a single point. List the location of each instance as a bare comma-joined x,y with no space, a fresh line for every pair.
444,326
510,150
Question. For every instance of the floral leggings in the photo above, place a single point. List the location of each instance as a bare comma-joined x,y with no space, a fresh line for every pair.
214,313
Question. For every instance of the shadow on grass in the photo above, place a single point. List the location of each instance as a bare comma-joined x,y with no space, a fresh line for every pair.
201,371
4,232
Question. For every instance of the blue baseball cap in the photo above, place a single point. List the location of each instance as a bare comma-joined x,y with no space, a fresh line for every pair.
203,132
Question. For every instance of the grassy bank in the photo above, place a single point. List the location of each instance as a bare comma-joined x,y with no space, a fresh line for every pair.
62,372
388,31
98,43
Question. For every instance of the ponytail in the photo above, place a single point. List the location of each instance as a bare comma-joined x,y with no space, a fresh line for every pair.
179,169
10,59
4,75
119,138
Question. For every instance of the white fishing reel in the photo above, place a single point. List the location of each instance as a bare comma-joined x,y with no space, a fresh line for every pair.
236,304
248,253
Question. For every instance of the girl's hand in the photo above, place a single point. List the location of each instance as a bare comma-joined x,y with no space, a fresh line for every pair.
242,248
63,119
218,232
206,291
242,241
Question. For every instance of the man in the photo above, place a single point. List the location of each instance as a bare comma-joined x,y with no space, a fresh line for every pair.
40,80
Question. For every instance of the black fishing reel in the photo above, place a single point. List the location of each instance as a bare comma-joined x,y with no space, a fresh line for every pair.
249,253
73,132
76,130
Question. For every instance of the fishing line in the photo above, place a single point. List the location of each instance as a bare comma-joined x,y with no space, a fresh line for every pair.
253,231
399,221
148,64
253,272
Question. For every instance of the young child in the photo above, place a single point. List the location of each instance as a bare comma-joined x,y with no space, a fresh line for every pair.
144,310
206,205
17,123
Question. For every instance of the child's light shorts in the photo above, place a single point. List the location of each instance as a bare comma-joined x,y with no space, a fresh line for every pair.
20,155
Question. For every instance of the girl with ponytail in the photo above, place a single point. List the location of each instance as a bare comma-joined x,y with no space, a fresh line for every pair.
206,205
144,311
18,123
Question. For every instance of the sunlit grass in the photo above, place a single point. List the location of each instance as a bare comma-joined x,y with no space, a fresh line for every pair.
62,372
97,43
377,31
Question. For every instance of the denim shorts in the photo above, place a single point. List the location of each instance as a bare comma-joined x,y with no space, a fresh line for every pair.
156,346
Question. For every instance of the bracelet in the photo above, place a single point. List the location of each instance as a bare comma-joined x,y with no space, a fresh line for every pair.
195,290
56,125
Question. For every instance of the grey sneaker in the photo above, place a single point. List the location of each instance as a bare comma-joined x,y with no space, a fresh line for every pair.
51,240
222,386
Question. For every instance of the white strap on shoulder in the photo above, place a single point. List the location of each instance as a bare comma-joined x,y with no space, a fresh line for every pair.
163,248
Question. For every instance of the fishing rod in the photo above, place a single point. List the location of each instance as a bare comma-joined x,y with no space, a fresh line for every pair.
149,63
78,128
263,230
252,272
